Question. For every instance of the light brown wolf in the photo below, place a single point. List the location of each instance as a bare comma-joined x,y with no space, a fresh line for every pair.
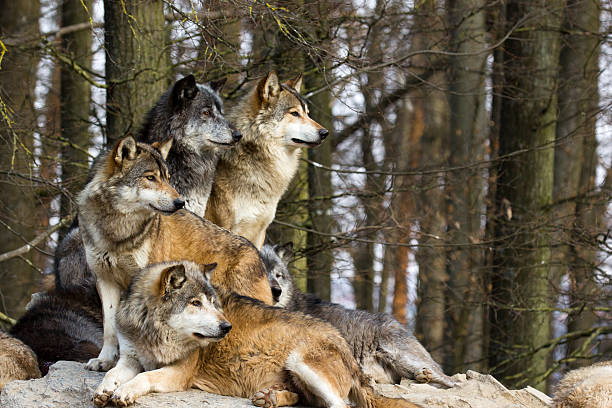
586,387
251,178
171,323
17,361
130,216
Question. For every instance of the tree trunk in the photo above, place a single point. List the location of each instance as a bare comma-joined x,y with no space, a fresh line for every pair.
464,186
520,321
136,62
75,102
18,201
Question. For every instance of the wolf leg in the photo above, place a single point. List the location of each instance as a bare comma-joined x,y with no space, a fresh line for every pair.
275,396
175,377
126,369
109,294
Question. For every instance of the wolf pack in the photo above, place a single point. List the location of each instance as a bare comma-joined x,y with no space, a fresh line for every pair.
164,280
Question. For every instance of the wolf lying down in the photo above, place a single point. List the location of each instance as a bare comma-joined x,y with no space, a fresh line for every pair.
386,351
171,323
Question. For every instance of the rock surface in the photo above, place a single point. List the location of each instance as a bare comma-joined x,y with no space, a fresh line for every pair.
68,384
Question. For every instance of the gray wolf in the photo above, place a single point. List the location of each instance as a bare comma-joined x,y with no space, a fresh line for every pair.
17,361
61,326
192,114
130,216
586,387
173,324
386,351
250,179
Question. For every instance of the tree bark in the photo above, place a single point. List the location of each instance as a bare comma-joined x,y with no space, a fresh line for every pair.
521,287
136,62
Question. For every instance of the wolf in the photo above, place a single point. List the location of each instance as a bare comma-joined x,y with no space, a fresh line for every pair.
17,360
586,387
251,178
130,216
184,333
386,351
193,115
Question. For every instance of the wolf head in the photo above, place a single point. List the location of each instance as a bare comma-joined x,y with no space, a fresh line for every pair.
194,312
196,113
282,113
275,259
135,178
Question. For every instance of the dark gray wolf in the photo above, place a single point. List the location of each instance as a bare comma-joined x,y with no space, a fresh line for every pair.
172,324
130,216
250,179
17,361
586,387
386,351
192,114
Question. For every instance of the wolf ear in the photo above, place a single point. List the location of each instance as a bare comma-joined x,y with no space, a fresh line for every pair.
163,147
295,83
184,89
268,87
285,251
217,86
172,278
208,269
125,150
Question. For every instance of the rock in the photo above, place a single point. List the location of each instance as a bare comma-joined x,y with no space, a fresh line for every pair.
68,384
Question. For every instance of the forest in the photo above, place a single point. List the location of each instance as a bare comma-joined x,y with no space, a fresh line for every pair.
465,186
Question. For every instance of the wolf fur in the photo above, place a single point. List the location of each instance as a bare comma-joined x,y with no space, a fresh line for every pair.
61,326
130,216
386,351
17,361
586,387
250,179
192,114
171,313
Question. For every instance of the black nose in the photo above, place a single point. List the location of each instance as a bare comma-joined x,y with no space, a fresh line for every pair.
276,292
323,133
179,203
225,327
236,135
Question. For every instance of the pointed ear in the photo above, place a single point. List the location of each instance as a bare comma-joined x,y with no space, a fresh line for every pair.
208,269
285,251
163,147
218,85
269,87
125,150
184,90
295,83
172,278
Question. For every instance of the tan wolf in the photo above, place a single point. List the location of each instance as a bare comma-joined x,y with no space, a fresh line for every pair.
586,387
17,360
251,178
130,216
172,323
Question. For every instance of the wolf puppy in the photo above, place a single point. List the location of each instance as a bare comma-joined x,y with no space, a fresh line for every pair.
386,351
250,179
130,216
172,323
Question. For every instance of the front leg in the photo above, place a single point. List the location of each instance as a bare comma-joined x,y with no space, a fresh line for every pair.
175,377
109,294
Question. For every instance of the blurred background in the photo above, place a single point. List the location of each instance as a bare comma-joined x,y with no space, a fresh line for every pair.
465,187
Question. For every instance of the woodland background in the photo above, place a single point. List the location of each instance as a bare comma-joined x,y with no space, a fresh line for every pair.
465,187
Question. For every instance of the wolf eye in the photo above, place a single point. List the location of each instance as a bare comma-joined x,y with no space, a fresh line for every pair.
278,275
151,178
196,303
206,113
295,113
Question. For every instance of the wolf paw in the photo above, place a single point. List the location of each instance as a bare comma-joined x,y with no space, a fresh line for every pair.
424,375
123,397
98,364
265,398
101,398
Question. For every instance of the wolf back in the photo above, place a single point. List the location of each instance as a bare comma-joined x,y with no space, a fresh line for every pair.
385,350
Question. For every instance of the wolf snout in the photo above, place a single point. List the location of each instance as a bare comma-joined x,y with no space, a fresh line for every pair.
225,327
236,136
276,293
178,203
323,133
